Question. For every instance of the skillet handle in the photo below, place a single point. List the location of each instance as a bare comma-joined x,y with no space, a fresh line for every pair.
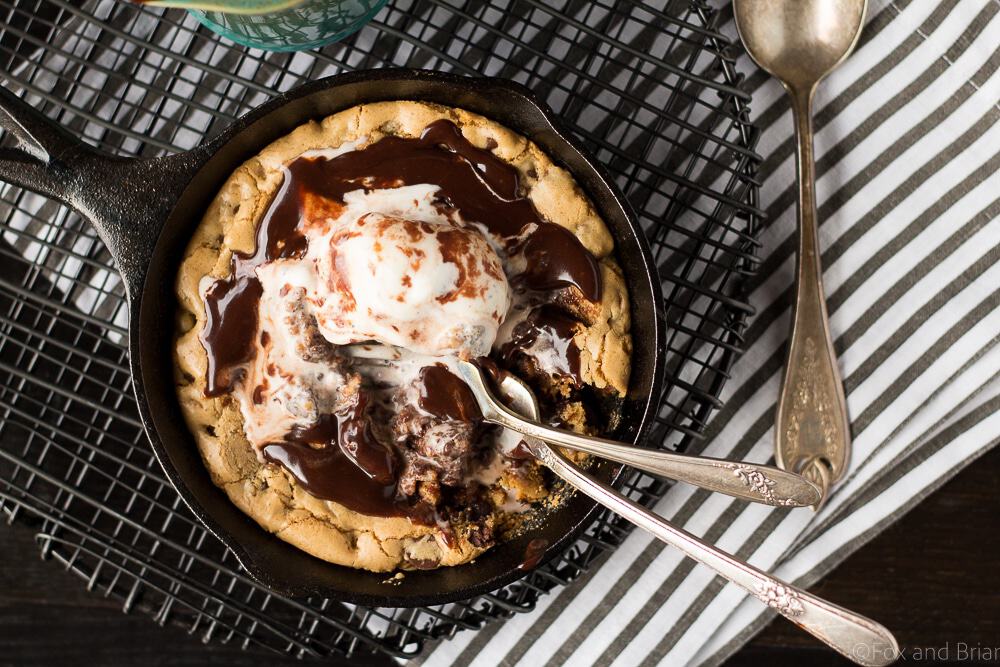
39,161
127,200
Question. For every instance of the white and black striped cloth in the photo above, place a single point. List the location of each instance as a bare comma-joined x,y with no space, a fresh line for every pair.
908,185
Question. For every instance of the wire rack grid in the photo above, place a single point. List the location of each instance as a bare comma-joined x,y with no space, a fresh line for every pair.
651,88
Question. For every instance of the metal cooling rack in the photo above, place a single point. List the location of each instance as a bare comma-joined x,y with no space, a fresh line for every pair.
651,89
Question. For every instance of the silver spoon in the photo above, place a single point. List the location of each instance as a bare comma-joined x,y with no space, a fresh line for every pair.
799,42
858,638
748,481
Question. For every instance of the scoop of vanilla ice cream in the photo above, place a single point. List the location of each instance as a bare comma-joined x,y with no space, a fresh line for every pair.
428,287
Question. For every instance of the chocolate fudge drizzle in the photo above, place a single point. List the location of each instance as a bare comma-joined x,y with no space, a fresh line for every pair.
553,262
231,305
230,326
446,396
350,466
533,554
549,326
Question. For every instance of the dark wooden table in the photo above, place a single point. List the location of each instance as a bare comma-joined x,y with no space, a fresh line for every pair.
932,578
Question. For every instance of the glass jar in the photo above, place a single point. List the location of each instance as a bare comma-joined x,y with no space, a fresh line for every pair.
308,24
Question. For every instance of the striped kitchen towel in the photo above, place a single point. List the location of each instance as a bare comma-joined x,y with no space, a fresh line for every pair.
908,185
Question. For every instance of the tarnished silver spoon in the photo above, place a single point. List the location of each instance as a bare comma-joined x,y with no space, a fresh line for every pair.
747,481
799,42
858,638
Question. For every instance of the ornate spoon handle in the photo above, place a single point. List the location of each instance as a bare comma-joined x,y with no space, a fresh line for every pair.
756,483
812,436
858,638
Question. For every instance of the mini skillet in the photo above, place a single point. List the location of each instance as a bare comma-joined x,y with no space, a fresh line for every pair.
145,211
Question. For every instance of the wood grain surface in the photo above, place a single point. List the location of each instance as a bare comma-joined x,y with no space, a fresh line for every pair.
932,578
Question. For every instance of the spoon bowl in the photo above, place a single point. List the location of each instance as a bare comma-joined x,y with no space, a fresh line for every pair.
802,41
743,480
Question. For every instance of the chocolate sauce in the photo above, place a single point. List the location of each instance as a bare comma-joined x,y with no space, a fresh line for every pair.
474,181
230,328
555,261
547,337
446,396
496,377
521,452
232,305
328,473
533,554
350,466
352,432
495,373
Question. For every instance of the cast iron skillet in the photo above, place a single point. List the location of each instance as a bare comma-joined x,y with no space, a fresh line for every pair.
145,211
